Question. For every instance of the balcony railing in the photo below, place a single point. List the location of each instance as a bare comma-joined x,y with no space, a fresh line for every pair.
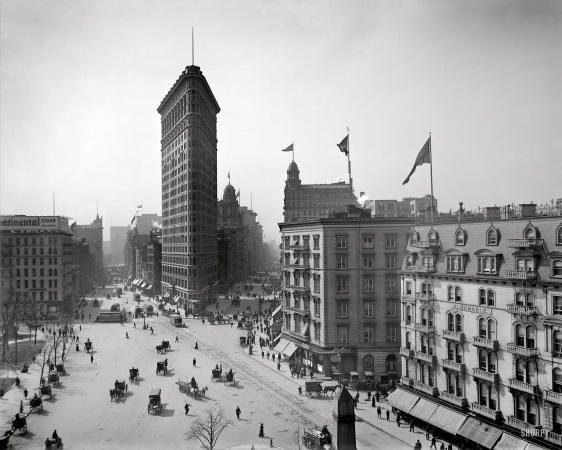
459,367
454,336
485,375
521,425
522,351
451,398
425,268
297,335
300,288
299,247
301,266
425,299
407,298
522,274
486,343
407,352
551,436
428,329
493,414
426,244
525,243
305,312
407,381
522,310
554,397
431,390
524,387
426,357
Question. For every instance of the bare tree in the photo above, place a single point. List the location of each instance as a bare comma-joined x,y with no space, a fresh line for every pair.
208,427
33,319
297,436
11,307
44,356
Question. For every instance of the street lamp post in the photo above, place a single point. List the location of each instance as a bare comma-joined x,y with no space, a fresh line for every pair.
144,319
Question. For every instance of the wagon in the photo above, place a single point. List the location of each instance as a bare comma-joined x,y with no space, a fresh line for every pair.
88,346
329,386
19,424
313,388
183,385
133,374
46,390
161,367
229,378
166,345
96,303
243,341
235,301
317,439
60,368
240,325
216,374
121,385
353,379
54,378
154,400
36,403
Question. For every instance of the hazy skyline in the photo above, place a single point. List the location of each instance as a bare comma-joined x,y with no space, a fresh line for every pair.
81,81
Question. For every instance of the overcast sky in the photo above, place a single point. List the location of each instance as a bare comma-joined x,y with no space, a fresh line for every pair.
81,81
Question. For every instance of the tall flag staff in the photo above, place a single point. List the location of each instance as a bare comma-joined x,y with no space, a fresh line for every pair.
344,147
290,148
424,156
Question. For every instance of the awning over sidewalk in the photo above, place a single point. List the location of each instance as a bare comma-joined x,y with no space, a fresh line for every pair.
423,409
402,400
166,295
281,345
135,281
176,298
480,432
510,442
447,419
148,288
277,311
289,350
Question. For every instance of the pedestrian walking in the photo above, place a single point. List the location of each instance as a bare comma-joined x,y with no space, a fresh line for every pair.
134,325
273,357
25,393
81,325
398,420
267,356
418,445
91,359
411,425
238,411
373,402
387,415
21,406
262,354
279,366
450,446
433,443
186,407
261,430
196,346
442,446
151,330
194,362
177,340
427,433
379,412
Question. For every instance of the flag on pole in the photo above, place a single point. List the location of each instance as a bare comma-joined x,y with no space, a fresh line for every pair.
140,206
238,194
133,220
73,227
288,149
422,158
344,145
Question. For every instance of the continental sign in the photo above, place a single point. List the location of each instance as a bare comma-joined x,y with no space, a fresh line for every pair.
29,223
474,309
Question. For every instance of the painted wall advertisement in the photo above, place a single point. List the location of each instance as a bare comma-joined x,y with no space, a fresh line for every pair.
33,223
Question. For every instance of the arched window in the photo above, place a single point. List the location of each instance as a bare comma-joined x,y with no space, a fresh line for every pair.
530,336
532,411
483,398
451,351
481,296
520,335
458,323
492,237
557,420
423,312
430,376
424,344
391,363
491,297
559,235
450,293
557,380
458,294
521,408
368,362
413,237
424,288
408,315
432,237
430,317
451,383
557,268
450,322
557,344
460,353
492,329
459,237
408,340
460,387
530,233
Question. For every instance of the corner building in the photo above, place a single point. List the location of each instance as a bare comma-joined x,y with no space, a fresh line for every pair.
482,325
341,295
189,191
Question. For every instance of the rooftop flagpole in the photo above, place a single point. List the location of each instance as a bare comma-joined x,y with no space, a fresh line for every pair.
431,176
349,167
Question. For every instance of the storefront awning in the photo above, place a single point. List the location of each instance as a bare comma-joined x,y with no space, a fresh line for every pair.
402,400
143,284
176,298
447,419
130,278
277,311
135,281
281,345
423,409
148,288
368,373
166,295
289,350
510,442
480,432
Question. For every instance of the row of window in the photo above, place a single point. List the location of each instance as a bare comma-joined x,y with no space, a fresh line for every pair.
368,308
368,284
32,241
51,261
368,333
368,242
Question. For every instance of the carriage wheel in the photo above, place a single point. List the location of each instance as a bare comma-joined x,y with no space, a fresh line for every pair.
305,442
308,394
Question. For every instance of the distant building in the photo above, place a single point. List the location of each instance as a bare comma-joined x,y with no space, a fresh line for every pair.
482,324
254,239
188,153
93,234
36,261
82,258
313,201
118,237
341,293
407,207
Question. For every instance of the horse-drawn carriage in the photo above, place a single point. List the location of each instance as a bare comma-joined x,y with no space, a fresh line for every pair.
313,388
243,341
216,374
19,424
329,386
240,325
229,378
317,439
122,386
235,301
154,400
36,403
161,367
60,368
25,368
96,303
46,390
88,346
133,375
5,440
54,378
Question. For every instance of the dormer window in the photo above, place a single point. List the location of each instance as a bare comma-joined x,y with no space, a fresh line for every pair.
530,232
459,237
432,237
487,262
492,236
414,237
455,260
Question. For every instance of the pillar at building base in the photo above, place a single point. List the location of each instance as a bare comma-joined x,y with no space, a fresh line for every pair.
344,421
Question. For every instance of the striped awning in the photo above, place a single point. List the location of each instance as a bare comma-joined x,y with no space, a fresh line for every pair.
424,409
402,400
281,345
289,350
166,295
147,288
480,432
447,419
510,442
